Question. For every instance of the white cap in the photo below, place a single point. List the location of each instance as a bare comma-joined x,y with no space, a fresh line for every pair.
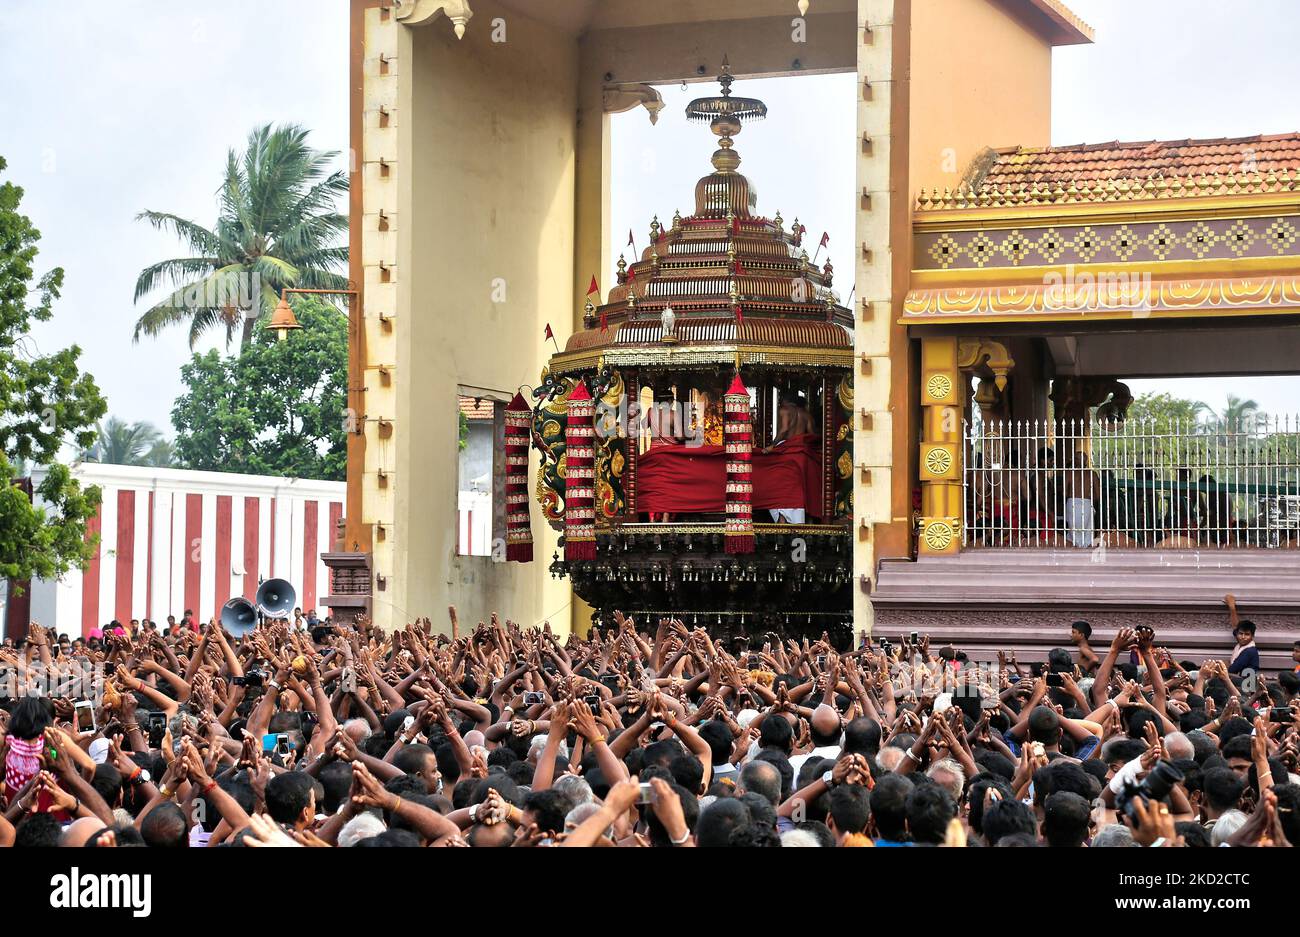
99,751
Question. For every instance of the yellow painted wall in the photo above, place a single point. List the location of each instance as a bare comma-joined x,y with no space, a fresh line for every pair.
980,76
486,165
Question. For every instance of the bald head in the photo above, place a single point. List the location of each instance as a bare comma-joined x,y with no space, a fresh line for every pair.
762,778
78,832
826,725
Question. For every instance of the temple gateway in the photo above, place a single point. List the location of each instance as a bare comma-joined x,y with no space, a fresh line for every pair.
938,435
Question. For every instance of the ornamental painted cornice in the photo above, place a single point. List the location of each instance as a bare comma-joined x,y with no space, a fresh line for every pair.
420,12
1117,297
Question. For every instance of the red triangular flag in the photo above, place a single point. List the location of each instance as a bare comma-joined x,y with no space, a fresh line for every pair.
604,323
629,238
826,239
740,270
631,274
740,316
593,288
549,333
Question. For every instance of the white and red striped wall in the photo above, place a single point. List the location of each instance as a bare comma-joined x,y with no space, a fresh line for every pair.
171,539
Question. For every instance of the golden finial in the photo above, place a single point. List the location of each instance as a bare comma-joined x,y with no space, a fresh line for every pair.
735,293
777,220
654,229
803,262
731,254
589,314
827,271
654,259
677,219
622,268
796,231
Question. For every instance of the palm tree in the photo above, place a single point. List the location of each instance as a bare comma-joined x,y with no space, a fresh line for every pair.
1238,411
277,226
162,454
118,442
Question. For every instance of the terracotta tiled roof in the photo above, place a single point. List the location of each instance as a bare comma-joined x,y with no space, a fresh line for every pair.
1117,172
481,410
1153,159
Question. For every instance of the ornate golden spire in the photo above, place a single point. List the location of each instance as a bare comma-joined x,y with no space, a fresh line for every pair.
725,189
725,114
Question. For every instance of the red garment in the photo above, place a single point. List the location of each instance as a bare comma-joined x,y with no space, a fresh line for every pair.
692,479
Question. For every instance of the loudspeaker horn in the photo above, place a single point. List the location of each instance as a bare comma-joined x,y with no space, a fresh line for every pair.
276,597
238,616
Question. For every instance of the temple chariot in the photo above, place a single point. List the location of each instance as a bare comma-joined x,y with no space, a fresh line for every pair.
695,434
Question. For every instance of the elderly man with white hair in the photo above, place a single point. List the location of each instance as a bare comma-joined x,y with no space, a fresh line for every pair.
949,775
1179,747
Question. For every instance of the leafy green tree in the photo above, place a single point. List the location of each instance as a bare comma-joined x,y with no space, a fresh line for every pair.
276,409
278,225
1166,410
45,401
118,442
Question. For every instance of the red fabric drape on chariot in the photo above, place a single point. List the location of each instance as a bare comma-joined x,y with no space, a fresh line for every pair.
579,477
737,433
519,530
679,479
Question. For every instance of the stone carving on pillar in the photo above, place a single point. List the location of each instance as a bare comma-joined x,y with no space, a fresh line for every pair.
1073,397
982,355
625,95
419,12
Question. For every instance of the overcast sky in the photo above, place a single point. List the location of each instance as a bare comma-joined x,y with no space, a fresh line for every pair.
112,108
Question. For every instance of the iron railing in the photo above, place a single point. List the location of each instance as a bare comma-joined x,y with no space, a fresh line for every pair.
1136,483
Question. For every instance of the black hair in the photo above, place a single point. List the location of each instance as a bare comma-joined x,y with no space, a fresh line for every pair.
850,808
1045,726
411,758
1193,834
719,739
761,812
719,819
862,737
107,783
690,813
165,826
38,829
1288,809
1222,788
287,795
889,806
929,809
1082,627
975,794
1065,819
775,732
31,716
688,771
336,779
1007,817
